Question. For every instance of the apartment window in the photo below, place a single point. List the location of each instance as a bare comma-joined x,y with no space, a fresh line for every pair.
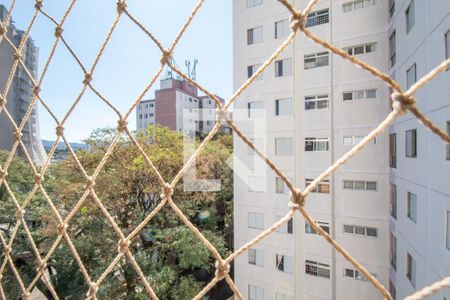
255,109
282,28
411,269
255,292
253,3
360,94
391,7
412,206
288,227
280,296
410,17
322,187
361,230
411,143
359,185
316,60
354,139
283,107
280,186
316,102
448,230
283,67
254,35
259,143
255,220
283,146
361,49
393,150
357,5
317,269
151,114
256,257
392,49
355,274
256,184
252,69
152,104
317,18
316,144
447,146
393,201
392,290
411,76
310,230
140,116
393,250
284,263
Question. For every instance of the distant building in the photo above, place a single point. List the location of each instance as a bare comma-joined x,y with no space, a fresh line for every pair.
178,106
20,94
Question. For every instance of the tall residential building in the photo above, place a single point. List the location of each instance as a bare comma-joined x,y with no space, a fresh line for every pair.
317,107
419,36
178,106
19,96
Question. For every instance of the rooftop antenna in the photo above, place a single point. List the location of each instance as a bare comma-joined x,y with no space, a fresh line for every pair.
191,73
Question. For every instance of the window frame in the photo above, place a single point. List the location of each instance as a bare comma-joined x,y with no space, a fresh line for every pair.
365,183
253,3
393,201
281,263
355,229
412,67
411,206
393,150
253,257
410,21
277,107
411,141
255,226
312,144
322,188
393,250
352,49
318,17
393,48
291,148
283,67
314,58
317,269
251,35
411,269
323,224
279,31
316,99
364,92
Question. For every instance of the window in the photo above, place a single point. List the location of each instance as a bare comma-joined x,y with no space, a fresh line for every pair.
282,28
358,4
393,201
391,7
255,109
252,69
410,17
317,18
412,206
283,146
361,49
284,263
392,49
140,116
310,230
316,102
151,114
256,184
253,3
317,269
283,107
360,185
393,150
360,94
258,143
254,35
280,296
316,144
361,230
322,187
411,76
280,186
255,220
393,250
256,257
411,143
354,139
316,60
392,290
355,274
447,146
288,227
283,67
411,269
448,230
255,292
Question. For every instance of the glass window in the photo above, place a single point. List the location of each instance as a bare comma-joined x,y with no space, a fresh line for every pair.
411,76
282,28
411,143
256,257
412,206
393,250
316,102
392,49
253,3
283,67
283,107
393,201
255,220
393,150
283,146
254,35
448,230
411,269
255,292
256,184
410,17
317,18
255,109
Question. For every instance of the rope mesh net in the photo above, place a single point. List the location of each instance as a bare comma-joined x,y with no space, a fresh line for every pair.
403,102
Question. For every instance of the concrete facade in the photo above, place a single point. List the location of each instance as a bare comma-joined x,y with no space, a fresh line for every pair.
19,95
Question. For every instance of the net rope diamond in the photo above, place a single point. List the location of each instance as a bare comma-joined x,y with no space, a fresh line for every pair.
403,102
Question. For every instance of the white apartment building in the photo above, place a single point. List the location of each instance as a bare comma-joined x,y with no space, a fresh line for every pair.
419,32
317,106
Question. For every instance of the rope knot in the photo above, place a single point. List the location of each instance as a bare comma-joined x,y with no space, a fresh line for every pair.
41,267
58,31
221,269
36,90
167,191
3,174
402,102
121,125
222,115
166,57
93,289
19,214
61,229
90,182
121,6
17,135
38,179
16,55
59,130
7,250
123,246
38,4
297,200
298,21
87,78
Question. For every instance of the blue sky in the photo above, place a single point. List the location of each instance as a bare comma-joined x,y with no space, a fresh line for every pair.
130,59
